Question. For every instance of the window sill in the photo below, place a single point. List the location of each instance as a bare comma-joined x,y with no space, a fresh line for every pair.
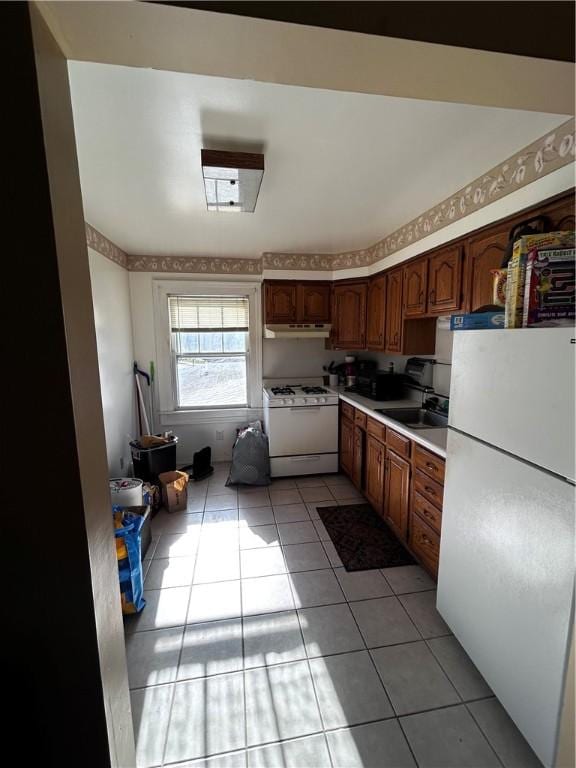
172,418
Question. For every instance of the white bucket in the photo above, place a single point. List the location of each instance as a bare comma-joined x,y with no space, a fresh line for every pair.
126,492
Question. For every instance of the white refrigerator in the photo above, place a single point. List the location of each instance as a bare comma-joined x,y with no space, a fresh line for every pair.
506,574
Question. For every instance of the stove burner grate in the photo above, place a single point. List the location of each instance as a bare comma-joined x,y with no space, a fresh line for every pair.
283,391
314,390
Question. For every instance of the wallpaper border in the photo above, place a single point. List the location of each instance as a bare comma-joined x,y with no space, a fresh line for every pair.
548,153
200,265
100,243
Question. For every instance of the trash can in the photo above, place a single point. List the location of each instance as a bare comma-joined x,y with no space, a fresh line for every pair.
151,462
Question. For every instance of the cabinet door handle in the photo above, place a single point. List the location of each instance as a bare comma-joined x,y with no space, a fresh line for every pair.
431,491
425,539
421,297
428,514
432,297
430,465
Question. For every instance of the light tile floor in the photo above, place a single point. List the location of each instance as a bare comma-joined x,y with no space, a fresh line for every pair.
257,649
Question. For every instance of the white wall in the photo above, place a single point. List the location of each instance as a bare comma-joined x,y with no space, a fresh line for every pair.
205,430
289,358
442,354
111,300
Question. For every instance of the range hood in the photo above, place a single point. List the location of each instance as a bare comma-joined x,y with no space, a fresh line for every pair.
297,331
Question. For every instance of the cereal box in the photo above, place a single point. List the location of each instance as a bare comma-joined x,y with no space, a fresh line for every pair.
517,269
549,295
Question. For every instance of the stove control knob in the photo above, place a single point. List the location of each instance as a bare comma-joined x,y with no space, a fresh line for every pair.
290,401
322,399
282,402
313,399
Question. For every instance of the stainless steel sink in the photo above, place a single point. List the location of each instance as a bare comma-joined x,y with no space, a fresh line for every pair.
415,418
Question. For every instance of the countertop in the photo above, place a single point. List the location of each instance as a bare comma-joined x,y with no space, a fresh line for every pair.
434,439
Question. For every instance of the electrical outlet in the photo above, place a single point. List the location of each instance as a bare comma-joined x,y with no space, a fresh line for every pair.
219,434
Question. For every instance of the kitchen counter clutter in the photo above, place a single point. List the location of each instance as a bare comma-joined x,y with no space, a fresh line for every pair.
434,439
400,470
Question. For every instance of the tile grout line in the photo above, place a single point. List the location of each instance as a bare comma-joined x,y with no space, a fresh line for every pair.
244,704
332,567
338,729
279,663
407,740
486,739
287,573
180,652
309,666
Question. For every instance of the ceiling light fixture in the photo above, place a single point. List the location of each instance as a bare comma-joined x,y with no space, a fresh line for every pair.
232,180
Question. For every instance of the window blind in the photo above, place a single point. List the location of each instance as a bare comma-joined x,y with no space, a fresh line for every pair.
195,314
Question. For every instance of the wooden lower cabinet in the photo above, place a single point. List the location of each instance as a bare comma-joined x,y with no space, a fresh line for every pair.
346,445
397,494
375,458
424,543
358,457
403,482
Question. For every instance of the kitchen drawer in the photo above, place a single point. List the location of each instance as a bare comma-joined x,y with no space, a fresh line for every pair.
398,443
376,428
429,463
427,511
360,419
347,410
425,543
430,489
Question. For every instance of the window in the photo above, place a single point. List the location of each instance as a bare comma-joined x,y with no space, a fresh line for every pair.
209,340
208,349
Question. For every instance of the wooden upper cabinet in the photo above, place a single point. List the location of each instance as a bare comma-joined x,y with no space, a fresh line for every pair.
313,302
415,288
561,215
280,301
394,320
350,315
397,494
376,319
485,253
445,281
374,484
288,301
485,250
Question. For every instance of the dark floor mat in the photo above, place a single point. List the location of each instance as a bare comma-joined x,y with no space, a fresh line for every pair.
362,539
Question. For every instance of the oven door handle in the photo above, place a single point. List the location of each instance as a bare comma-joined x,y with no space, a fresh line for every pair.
306,408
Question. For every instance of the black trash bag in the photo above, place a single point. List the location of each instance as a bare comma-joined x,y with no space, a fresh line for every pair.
250,457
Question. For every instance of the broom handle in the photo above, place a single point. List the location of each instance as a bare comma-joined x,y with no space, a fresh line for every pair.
142,405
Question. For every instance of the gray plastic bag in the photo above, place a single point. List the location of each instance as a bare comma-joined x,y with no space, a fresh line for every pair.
250,457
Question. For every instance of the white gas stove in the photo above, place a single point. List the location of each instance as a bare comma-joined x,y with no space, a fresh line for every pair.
293,395
301,421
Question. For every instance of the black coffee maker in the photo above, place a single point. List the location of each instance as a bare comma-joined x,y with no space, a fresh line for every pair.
365,369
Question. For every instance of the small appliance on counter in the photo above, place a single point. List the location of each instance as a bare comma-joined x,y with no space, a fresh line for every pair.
378,385
419,371
350,362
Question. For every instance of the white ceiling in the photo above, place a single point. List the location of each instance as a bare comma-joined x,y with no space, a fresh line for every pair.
342,169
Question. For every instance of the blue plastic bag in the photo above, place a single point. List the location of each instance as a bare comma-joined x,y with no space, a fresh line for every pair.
127,529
